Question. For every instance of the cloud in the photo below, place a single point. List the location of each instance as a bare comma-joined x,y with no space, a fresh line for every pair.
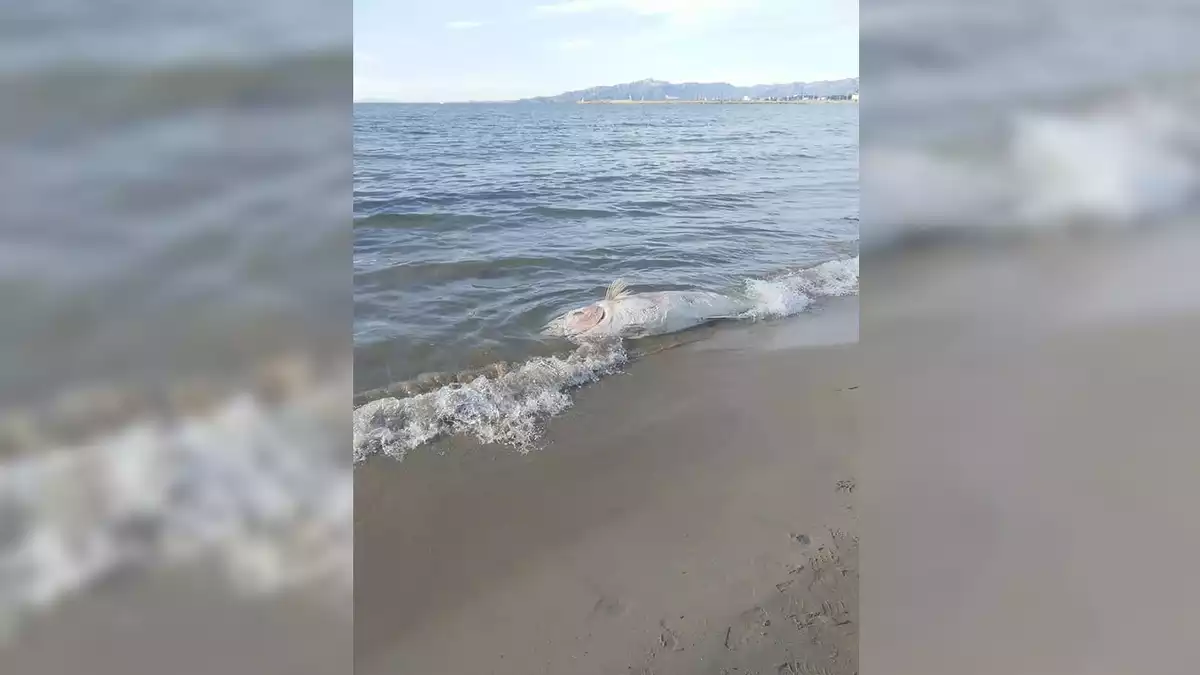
574,7
463,25
678,10
575,44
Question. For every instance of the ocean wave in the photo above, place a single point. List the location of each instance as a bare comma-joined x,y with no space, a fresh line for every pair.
1117,164
258,486
510,405
508,409
701,171
567,212
403,221
1114,165
428,272
794,292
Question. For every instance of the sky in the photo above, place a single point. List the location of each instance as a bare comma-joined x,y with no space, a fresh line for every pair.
462,50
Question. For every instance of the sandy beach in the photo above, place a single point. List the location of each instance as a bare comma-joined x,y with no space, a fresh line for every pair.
1028,458
181,621
693,515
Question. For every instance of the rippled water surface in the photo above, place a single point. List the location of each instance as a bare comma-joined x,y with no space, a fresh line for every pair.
475,224
173,247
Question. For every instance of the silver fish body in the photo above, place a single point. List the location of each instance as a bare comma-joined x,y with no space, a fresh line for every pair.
634,315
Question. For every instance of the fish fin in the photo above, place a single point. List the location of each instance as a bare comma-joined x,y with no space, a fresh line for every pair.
617,290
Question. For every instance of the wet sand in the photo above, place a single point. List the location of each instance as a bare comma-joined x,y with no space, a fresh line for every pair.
693,515
185,622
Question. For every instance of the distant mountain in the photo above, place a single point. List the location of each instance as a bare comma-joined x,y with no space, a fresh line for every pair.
657,90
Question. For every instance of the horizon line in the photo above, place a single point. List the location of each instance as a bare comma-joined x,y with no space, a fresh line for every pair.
371,99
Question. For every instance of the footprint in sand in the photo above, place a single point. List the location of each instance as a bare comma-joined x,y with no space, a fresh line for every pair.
608,606
749,629
669,639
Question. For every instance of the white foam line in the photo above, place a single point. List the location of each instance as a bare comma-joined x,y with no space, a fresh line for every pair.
1119,164
508,409
263,491
792,293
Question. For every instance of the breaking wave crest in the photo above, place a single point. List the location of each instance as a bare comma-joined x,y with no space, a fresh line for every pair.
793,293
1123,164
509,408
256,484
511,405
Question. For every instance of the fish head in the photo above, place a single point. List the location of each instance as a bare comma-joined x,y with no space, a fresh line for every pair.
584,319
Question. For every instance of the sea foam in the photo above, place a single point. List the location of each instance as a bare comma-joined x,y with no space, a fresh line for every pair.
792,293
261,490
511,408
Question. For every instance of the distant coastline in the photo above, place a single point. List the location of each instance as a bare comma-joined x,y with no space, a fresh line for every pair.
709,93
712,93
377,101
610,102
730,102
660,91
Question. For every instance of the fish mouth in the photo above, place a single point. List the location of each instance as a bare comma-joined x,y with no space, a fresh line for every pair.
579,322
583,320
576,322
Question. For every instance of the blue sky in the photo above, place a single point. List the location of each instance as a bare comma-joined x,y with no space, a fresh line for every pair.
457,50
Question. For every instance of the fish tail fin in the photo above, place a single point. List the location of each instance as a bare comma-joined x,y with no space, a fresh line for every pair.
617,290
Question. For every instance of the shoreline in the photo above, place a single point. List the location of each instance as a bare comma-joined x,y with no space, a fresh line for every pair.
690,514
621,102
614,102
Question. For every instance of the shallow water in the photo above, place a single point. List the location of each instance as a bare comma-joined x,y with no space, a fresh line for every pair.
175,197
476,224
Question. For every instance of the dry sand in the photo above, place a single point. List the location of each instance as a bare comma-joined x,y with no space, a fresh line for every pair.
182,622
693,515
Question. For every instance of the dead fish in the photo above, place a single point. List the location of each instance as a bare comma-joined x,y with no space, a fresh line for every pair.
625,314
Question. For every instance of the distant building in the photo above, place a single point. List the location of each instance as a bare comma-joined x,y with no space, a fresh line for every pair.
854,96
745,98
